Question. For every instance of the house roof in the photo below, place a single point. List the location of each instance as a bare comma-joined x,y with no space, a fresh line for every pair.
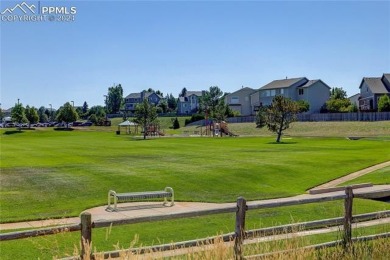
243,89
309,83
138,95
196,93
312,82
386,79
282,83
134,95
376,85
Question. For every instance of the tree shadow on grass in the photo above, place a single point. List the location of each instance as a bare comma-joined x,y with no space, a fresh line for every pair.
63,129
282,143
11,132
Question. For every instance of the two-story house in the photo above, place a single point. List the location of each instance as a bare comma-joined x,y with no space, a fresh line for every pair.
132,100
240,101
189,104
315,92
371,89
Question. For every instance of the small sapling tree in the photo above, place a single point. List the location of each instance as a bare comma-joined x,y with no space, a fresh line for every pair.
145,114
278,116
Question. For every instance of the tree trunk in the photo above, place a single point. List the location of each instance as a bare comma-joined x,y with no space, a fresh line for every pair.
280,132
278,138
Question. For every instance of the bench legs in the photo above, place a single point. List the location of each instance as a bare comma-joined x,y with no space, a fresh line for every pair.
112,193
172,202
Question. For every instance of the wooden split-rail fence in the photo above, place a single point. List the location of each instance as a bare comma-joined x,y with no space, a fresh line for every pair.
239,236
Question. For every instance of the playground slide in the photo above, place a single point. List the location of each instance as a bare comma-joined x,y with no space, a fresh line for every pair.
226,131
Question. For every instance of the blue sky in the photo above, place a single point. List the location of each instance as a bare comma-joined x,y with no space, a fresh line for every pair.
168,45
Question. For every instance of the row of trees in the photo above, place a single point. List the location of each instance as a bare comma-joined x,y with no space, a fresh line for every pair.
66,113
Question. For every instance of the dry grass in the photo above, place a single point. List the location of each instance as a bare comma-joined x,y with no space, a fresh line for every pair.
288,248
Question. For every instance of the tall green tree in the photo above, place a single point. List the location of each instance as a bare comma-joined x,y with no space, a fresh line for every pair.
85,110
384,103
279,115
114,100
172,102
261,118
18,114
338,101
211,101
183,92
145,115
32,115
43,118
338,93
67,114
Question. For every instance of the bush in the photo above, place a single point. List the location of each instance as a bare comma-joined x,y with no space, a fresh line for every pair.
176,124
384,103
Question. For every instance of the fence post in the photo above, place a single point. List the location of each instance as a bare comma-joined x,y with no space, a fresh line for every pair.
240,228
86,233
347,238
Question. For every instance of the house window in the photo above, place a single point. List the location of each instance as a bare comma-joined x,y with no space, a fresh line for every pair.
300,91
273,92
234,100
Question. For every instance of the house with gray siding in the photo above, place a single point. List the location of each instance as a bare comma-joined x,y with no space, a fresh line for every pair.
189,104
371,89
240,101
133,99
315,92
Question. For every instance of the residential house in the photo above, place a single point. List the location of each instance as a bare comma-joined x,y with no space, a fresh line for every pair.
132,100
355,99
315,92
371,89
240,101
189,104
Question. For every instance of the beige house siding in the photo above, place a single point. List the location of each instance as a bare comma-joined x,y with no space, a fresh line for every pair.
240,101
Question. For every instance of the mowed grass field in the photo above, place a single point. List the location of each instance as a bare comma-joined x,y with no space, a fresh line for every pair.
53,174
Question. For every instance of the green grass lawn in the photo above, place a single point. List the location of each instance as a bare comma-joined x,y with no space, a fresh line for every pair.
381,176
47,174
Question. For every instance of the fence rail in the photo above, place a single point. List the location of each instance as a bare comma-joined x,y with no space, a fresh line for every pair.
317,117
86,225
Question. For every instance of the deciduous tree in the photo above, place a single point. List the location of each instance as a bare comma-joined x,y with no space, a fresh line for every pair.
338,101
67,114
31,115
18,114
278,116
145,115
114,100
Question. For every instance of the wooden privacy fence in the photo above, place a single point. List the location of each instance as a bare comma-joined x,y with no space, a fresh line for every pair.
86,226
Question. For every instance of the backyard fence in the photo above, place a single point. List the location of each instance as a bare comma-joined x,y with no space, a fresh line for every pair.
317,117
357,116
240,235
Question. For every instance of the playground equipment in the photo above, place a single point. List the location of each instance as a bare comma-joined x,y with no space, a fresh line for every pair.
217,129
154,130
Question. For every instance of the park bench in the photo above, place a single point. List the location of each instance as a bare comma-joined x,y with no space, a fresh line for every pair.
121,197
